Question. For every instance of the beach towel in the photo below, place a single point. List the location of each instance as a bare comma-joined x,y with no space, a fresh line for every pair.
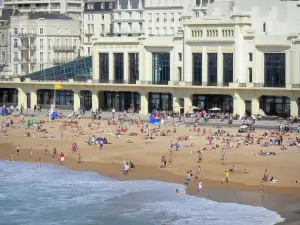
55,115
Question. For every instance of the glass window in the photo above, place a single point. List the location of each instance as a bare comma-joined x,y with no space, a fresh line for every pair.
250,75
160,68
102,6
41,30
197,68
275,69
133,67
275,105
212,68
227,68
103,66
250,57
119,67
111,5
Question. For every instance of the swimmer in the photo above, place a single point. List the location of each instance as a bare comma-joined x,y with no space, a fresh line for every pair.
177,192
39,163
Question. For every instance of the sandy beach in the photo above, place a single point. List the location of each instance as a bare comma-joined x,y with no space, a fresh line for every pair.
146,154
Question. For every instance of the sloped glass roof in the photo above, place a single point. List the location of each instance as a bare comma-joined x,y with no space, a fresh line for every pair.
79,70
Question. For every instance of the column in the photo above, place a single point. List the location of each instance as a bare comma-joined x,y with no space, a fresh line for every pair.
187,103
176,103
22,98
255,105
239,106
76,100
95,100
148,66
33,99
220,66
95,66
173,63
239,51
111,66
204,65
294,106
144,104
288,67
141,64
126,66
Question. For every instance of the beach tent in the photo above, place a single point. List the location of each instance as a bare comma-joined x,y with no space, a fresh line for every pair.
3,111
55,115
154,121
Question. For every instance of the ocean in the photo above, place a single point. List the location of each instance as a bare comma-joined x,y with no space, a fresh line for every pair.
53,195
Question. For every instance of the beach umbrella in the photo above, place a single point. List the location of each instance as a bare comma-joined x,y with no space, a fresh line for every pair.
215,109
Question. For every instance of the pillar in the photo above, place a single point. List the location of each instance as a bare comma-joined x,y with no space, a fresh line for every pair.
176,103
126,66
22,98
111,66
33,99
95,66
220,66
239,106
255,105
294,106
144,104
95,100
187,104
76,100
239,53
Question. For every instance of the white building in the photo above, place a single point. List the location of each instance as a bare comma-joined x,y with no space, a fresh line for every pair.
73,8
40,41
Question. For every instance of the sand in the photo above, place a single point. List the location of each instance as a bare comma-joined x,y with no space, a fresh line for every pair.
282,197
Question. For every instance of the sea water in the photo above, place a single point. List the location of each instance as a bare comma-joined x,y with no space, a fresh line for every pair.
53,195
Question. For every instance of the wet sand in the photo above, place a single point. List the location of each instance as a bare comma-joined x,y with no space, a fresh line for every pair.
283,197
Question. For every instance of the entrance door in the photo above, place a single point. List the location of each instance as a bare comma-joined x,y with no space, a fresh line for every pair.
28,100
248,107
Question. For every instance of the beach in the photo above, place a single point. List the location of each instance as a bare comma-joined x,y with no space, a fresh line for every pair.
282,197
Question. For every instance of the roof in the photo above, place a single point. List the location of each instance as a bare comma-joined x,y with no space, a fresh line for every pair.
48,16
8,12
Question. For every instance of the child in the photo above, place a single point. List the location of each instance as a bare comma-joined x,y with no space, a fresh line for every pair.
200,186
126,168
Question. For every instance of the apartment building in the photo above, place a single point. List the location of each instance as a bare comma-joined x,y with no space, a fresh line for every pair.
40,41
72,8
97,22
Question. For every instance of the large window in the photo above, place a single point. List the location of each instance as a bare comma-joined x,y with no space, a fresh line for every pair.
8,95
227,68
160,101
64,98
197,68
275,69
206,102
119,67
133,67
103,67
212,69
160,68
121,101
275,105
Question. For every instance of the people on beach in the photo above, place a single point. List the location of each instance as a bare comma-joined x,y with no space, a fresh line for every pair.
39,163
30,153
18,150
200,186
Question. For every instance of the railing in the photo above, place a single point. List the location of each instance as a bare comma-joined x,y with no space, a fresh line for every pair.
104,81
24,60
143,82
160,82
23,47
197,83
132,82
276,85
64,47
27,34
3,43
89,33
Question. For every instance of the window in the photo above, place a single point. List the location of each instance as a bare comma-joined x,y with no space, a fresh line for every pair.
160,68
49,43
103,66
133,67
3,37
58,42
150,31
157,17
75,42
179,56
89,17
119,67
102,6
164,31
42,56
49,57
197,68
212,68
67,30
141,15
15,56
102,16
102,29
92,28
141,27
264,27
150,17
41,30
172,17
179,17
58,30
250,57
157,30
92,17
227,68
275,69
16,69
172,30
41,43
41,66
130,15
67,42
197,14
250,75
15,30
111,6
15,43
165,17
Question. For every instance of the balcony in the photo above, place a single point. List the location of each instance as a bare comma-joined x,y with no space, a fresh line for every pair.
3,43
129,31
16,60
64,47
33,60
160,82
197,83
24,60
27,35
61,60
3,63
89,33
23,47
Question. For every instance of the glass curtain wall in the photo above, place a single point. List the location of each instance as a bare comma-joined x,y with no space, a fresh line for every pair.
197,68
212,69
275,69
8,96
103,68
86,100
160,68
133,67
275,105
64,98
206,102
160,101
121,101
119,67
227,68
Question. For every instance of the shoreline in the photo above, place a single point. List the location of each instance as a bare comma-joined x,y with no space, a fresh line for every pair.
274,198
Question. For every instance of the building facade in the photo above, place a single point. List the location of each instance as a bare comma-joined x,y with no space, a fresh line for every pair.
39,41
72,8
232,56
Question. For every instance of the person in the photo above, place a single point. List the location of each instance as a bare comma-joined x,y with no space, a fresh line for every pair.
18,150
126,168
79,158
30,153
200,186
46,150
39,163
223,156
177,192
226,177
101,144
62,158
12,157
